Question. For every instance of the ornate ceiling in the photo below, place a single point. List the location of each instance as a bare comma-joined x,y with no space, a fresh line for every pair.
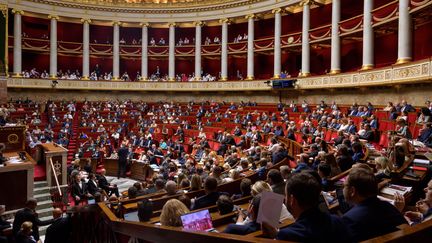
155,3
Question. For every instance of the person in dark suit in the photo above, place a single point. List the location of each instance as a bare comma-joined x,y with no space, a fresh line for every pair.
60,230
211,196
311,225
343,157
277,183
279,155
369,134
109,188
370,217
29,214
93,185
249,227
80,191
123,153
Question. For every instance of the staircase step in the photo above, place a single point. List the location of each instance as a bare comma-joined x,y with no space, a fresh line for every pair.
40,184
44,204
42,197
39,190
46,212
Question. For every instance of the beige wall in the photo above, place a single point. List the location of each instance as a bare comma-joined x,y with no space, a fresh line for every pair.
415,95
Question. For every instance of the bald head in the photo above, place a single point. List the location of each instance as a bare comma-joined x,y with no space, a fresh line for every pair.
57,213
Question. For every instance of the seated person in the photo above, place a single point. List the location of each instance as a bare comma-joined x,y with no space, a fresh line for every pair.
80,191
241,228
145,210
311,225
171,212
245,189
423,207
211,194
383,167
370,217
224,204
324,171
276,181
302,164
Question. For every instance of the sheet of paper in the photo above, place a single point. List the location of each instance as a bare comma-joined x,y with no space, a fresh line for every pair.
270,208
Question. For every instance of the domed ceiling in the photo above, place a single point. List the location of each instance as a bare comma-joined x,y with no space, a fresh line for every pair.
154,3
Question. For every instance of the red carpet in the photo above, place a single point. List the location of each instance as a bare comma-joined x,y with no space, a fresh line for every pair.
39,173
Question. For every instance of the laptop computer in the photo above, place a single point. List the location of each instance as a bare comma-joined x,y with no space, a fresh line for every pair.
200,221
133,216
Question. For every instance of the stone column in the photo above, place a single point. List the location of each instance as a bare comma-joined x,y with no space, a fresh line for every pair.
250,47
198,42
277,43
224,49
116,51
53,46
404,33
86,49
171,57
305,39
335,66
17,54
144,51
368,36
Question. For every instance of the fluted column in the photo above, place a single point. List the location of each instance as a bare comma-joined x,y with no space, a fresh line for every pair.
17,57
305,39
250,47
335,66
277,43
224,50
171,57
53,46
86,49
144,51
198,26
116,51
368,36
404,33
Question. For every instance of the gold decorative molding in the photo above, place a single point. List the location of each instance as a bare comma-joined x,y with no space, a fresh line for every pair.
199,23
4,10
172,24
17,11
117,23
86,21
225,20
412,72
277,10
403,60
145,24
250,16
53,16
335,71
306,2
91,85
366,67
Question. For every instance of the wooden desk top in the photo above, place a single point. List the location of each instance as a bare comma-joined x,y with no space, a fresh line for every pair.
29,163
53,148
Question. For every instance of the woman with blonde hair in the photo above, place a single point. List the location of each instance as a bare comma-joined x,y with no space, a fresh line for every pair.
384,168
260,186
171,212
196,183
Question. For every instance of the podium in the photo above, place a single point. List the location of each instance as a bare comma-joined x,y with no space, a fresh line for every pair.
58,155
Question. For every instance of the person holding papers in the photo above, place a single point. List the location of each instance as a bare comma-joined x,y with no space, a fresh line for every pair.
242,227
311,225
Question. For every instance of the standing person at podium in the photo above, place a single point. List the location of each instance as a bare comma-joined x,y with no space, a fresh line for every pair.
123,153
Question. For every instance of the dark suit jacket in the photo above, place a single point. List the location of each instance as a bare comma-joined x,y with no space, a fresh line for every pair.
369,135
103,183
123,154
59,231
372,218
92,188
27,214
279,188
206,200
245,229
315,226
79,191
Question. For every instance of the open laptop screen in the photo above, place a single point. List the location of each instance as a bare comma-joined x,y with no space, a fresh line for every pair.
200,221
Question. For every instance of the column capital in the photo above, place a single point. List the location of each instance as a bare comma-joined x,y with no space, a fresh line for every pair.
17,11
250,16
88,21
145,24
306,2
116,23
173,24
52,16
225,20
277,10
199,23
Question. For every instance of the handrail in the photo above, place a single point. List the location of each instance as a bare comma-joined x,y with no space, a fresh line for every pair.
55,177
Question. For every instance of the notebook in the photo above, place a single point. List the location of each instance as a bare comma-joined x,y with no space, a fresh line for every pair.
133,216
200,221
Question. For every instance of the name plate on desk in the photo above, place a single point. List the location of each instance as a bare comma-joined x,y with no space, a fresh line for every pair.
13,137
